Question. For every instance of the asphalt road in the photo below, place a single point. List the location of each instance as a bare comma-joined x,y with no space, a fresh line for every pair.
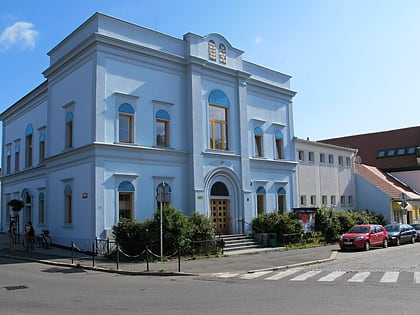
32,288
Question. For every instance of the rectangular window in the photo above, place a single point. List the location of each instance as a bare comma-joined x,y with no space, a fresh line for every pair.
313,200
303,200
281,204
301,155
218,127
279,147
333,201
348,162
324,200
260,204
28,151
322,157
126,205
331,159
69,134
258,145
125,128
41,212
162,133
68,209
8,164
340,161
342,200
41,151
350,199
311,157
17,161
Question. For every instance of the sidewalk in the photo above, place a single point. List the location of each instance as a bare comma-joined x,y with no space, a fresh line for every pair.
273,260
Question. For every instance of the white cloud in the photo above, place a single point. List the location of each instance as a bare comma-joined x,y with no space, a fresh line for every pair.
21,33
258,40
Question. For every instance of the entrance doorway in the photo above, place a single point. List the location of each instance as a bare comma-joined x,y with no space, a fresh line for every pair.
220,207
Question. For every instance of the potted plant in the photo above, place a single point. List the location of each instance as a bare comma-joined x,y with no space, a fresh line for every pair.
16,205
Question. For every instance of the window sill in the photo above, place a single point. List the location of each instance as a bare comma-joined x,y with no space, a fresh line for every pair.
68,226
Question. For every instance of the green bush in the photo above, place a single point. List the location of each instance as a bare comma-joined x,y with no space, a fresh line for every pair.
133,236
274,222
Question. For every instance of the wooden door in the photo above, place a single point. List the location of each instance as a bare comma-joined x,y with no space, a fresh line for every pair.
220,213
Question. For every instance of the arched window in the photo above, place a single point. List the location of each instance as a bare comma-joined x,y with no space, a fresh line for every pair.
41,208
27,199
162,128
163,195
260,200
69,130
219,189
17,157
281,200
126,123
212,50
222,53
279,144
258,137
218,120
125,199
68,205
8,161
28,146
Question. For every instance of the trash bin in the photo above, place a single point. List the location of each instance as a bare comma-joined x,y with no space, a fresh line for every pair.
272,239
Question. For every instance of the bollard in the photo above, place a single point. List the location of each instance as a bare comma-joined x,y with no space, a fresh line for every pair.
118,256
179,258
72,252
147,257
93,254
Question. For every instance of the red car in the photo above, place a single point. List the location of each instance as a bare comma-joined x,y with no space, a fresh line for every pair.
364,236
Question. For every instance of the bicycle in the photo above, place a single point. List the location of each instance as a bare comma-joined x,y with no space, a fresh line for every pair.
44,239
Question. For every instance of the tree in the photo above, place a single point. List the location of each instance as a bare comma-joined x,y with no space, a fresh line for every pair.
16,205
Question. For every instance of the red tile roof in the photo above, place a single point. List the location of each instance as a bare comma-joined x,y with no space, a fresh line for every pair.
385,182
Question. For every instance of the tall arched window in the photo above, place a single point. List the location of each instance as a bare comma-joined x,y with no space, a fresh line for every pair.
68,205
162,128
126,123
28,146
41,147
17,157
279,144
125,199
69,130
222,53
212,50
281,200
260,200
218,120
258,137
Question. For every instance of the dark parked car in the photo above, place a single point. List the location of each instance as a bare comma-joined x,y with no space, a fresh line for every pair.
417,228
364,236
400,233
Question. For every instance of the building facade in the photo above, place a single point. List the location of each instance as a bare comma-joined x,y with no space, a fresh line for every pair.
129,118
325,175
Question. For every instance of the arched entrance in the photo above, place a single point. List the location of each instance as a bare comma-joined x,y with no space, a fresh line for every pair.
220,207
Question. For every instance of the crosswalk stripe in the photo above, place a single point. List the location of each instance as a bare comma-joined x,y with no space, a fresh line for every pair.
254,275
332,276
417,277
225,275
282,274
306,275
390,277
359,277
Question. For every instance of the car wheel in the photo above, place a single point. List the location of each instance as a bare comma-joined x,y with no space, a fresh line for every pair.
385,243
397,241
367,246
413,239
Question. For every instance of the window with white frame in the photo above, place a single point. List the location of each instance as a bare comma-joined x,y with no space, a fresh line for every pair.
126,123
258,138
28,146
301,155
333,201
68,204
212,50
324,200
303,200
279,144
311,157
350,200
41,147
322,157
348,162
17,157
222,53
126,200
218,120
313,200
281,200
260,200
69,130
340,161
41,208
342,200
8,159
162,128
330,158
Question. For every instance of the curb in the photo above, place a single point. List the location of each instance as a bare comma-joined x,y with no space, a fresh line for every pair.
307,263
109,270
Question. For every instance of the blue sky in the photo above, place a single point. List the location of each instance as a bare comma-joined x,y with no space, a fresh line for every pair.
355,65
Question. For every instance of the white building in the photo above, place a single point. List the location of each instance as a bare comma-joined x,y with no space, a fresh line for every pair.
125,110
325,175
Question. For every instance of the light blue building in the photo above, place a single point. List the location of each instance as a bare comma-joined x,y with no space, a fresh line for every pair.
127,113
